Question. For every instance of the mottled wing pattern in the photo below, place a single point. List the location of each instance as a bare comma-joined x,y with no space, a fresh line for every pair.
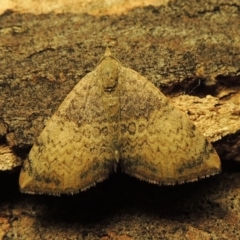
159,143
115,116
72,153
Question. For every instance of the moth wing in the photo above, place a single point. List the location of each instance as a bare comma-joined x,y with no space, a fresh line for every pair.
159,143
72,153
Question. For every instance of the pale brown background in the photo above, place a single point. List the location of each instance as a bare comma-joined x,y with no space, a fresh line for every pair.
77,6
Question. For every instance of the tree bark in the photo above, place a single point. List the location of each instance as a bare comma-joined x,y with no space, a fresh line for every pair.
189,50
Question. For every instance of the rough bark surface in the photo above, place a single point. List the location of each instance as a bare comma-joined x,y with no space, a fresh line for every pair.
185,48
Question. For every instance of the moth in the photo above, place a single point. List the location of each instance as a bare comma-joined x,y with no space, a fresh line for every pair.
115,118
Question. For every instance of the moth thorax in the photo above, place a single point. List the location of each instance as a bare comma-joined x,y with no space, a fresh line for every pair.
109,75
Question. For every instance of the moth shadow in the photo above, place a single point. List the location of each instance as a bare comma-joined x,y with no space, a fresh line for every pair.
124,195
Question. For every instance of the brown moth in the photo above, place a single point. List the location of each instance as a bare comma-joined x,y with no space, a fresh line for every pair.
114,117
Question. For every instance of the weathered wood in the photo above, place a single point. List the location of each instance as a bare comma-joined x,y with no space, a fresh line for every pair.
8,160
217,119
